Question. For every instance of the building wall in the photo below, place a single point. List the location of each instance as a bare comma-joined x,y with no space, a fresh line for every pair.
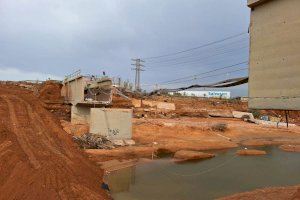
274,74
207,94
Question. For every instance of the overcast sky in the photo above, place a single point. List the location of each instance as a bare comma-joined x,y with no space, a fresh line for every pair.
51,38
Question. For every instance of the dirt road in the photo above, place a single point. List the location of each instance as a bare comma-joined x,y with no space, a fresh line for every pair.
38,160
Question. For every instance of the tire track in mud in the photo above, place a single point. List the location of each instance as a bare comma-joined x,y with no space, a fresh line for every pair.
40,128
22,139
41,144
37,158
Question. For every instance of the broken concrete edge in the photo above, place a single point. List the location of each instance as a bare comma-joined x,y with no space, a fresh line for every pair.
250,118
123,142
114,165
242,115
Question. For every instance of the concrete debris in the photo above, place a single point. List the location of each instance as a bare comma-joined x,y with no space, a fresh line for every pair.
93,141
243,115
96,141
275,124
118,143
129,142
113,165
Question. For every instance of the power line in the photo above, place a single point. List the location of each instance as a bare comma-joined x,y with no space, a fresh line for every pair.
191,76
199,60
200,78
198,47
192,55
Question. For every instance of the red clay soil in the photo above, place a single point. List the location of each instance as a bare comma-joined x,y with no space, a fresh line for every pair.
251,152
50,91
194,103
121,102
38,160
196,107
290,148
277,193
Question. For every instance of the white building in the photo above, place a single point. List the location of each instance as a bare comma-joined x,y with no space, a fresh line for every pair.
205,94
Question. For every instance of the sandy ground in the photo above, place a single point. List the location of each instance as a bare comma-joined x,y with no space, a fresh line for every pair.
38,159
171,135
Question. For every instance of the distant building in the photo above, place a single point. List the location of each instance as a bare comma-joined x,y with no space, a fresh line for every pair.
204,94
274,71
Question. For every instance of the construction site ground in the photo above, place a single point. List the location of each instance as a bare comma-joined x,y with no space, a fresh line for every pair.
38,158
171,135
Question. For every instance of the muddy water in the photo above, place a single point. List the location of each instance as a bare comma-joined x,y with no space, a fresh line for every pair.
223,175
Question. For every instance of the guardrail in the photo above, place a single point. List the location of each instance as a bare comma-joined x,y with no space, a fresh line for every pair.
73,75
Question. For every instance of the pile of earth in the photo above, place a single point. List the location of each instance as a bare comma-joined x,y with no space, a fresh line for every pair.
38,160
50,91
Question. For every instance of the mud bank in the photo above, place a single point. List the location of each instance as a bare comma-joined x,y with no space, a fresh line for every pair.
276,193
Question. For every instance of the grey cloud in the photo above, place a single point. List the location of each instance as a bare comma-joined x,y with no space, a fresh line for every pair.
57,37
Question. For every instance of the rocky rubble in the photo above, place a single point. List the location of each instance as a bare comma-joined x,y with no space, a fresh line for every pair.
93,141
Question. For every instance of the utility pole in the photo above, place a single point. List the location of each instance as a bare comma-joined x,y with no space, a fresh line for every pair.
138,68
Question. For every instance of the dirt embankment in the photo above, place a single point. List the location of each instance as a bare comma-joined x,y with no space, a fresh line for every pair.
50,91
50,94
38,159
277,193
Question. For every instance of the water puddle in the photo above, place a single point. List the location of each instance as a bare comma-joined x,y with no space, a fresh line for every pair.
221,176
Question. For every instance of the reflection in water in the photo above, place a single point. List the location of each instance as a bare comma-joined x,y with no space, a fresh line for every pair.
120,181
164,179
